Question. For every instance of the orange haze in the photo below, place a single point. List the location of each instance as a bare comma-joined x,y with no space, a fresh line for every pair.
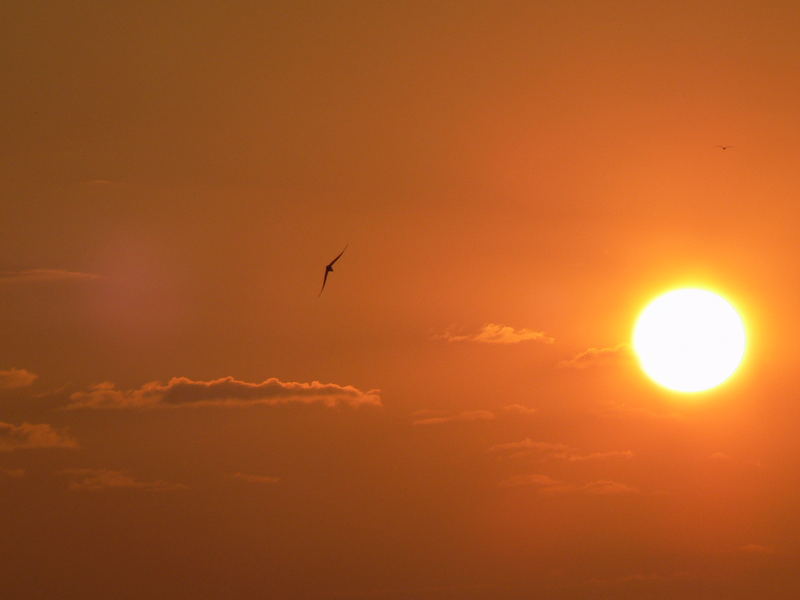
458,415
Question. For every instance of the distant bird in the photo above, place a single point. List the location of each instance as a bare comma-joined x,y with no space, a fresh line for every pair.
724,147
329,269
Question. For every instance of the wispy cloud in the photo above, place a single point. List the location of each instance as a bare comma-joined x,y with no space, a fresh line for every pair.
609,454
637,578
13,473
756,549
16,378
44,275
95,480
547,485
598,357
519,409
719,456
461,417
438,417
494,333
29,435
605,487
555,451
226,391
251,478
528,447
723,458
535,479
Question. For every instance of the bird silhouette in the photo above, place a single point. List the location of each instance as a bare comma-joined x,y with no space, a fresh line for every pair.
329,269
724,147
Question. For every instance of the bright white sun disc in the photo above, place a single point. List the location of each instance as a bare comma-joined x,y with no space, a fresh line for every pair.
689,340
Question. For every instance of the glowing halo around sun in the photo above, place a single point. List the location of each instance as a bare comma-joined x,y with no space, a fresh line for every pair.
689,340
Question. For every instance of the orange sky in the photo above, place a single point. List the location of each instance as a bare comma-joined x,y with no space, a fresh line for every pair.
176,174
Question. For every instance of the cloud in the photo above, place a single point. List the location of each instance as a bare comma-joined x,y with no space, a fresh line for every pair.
722,458
13,473
437,417
44,275
466,416
226,391
547,485
29,436
607,488
554,451
638,578
250,478
95,480
16,378
756,549
528,447
519,409
493,333
535,479
598,357
610,454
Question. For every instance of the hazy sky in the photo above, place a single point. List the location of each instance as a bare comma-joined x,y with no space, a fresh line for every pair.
457,416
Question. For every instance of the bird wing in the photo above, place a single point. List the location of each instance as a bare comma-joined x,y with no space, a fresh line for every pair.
324,280
330,264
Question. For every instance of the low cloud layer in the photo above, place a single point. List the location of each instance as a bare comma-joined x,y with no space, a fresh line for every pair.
44,275
494,333
598,357
16,378
547,485
96,480
226,392
30,436
554,451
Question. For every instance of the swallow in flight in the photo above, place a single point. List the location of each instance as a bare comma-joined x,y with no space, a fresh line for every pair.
329,269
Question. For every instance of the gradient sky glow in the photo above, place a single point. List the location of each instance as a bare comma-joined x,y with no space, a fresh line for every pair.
459,415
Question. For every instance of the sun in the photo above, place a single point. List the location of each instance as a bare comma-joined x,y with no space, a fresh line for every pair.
689,340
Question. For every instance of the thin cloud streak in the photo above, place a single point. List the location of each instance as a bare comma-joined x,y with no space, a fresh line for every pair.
494,333
180,392
435,417
598,357
756,549
462,417
44,276
547,485
554,451
96,480
519,409
637,578
251,478
13,473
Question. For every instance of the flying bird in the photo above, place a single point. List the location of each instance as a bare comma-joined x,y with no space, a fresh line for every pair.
329,269
724,147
